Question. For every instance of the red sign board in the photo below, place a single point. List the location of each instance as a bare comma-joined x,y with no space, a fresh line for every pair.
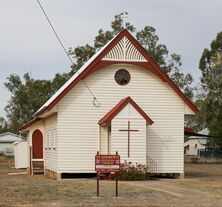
107,163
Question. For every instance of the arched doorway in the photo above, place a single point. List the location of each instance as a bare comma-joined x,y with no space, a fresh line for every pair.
37,145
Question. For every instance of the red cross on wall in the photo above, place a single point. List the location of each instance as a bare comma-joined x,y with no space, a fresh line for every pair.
128,130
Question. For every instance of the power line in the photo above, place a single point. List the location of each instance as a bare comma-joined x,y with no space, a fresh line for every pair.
63,47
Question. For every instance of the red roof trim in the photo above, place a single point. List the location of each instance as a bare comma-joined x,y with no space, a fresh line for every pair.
114,111
30,123
154,67
188,129
97,63
158,69
87,70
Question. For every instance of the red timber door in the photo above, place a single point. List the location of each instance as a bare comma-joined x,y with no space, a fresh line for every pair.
37,145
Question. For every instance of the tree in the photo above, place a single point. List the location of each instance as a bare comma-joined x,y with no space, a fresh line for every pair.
211,68
208,58
3,125
169,63
197,122
82,53
28,95
214,97
148,38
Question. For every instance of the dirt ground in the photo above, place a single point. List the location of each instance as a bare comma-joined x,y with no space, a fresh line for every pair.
202,186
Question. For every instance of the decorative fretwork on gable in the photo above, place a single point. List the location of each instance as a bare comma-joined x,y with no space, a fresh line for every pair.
124,50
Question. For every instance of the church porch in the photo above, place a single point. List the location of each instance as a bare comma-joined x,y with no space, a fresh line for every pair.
123,130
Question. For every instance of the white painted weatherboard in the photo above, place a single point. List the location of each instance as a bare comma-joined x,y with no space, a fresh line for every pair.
119,140
50,154
40,126
104,140
78,129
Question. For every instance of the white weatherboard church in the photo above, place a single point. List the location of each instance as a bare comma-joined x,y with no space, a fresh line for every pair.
138,112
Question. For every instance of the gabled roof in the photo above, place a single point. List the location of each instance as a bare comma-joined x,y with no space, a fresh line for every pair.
9,137
115,110
98,61
190,132
18,142
30,123
9,133
72,81
204,131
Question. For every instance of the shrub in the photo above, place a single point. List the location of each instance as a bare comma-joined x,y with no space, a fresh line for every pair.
129,171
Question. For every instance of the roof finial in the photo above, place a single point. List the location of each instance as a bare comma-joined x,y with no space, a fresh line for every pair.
123,16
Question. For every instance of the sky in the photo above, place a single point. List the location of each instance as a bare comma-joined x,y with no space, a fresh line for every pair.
27,43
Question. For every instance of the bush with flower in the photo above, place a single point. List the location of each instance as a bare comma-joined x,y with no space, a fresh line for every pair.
130,171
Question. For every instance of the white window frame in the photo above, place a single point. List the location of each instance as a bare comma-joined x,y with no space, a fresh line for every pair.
50,142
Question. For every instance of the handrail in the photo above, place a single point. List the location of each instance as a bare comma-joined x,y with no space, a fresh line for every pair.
151,165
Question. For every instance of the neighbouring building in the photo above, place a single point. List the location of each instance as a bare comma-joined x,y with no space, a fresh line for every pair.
6,143
196,143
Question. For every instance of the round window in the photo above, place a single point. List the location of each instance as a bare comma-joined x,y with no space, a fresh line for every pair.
122,77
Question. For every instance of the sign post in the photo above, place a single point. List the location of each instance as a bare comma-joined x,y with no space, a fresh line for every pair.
117,178
97,178
107,164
